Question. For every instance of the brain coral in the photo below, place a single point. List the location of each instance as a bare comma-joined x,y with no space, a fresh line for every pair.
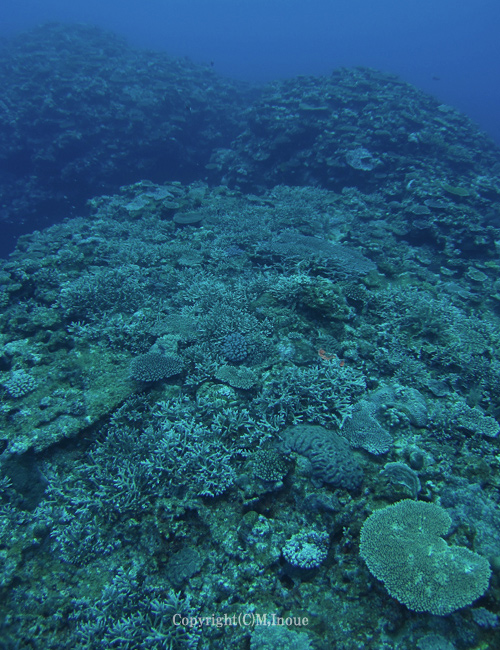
330,456
403,547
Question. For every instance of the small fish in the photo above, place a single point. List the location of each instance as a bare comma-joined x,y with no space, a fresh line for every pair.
328,357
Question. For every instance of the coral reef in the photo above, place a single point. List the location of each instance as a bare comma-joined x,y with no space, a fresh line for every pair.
220,384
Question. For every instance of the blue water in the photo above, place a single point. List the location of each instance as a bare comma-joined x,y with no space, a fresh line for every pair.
448,48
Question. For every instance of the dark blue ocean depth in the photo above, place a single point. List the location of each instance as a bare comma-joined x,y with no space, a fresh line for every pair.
450,49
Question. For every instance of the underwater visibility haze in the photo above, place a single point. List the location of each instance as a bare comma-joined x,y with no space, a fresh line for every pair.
249,325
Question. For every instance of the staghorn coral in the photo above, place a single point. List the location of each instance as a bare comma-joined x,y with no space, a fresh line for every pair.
320,395
132,614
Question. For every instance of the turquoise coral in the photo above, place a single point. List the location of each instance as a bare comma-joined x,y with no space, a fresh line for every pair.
402,545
